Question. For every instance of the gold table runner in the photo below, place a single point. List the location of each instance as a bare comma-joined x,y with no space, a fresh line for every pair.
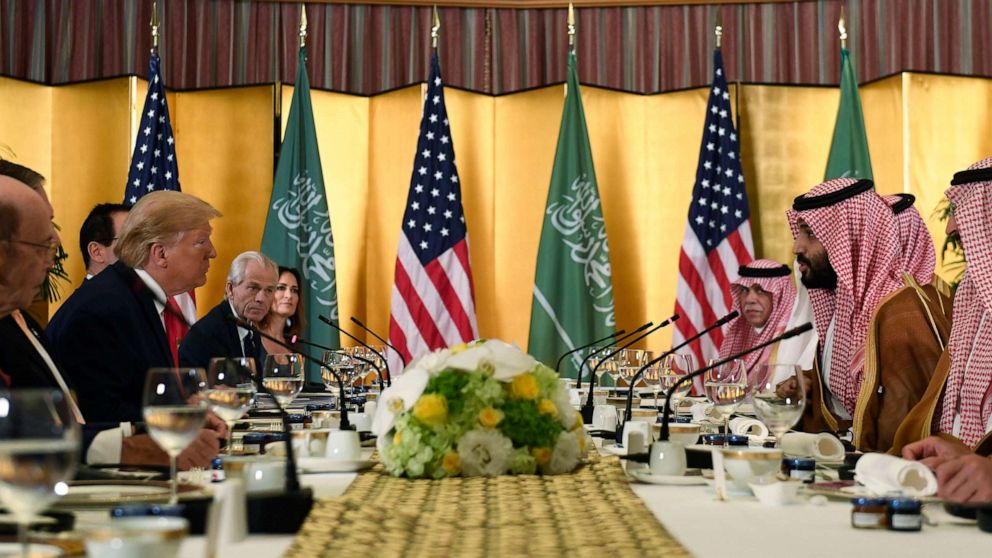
591,512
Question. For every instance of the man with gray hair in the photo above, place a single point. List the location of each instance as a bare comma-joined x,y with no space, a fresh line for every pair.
251,284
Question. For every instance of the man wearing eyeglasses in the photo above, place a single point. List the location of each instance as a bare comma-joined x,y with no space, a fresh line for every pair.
98,235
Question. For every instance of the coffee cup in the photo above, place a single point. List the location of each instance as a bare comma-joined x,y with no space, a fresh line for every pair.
604,417
361,421
138,537
667,459
343,445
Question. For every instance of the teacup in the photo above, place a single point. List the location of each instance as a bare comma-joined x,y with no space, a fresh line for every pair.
667,459
310,442
370,407
746,465
686,434
259,474
643,415
325,419
361,421
604,417
343,445
138,537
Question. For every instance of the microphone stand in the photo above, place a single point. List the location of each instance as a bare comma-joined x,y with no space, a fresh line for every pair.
586,346
378,370
385,343
588,407
622,338
663,436
630,394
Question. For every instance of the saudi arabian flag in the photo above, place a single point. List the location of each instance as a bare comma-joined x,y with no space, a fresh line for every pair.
849,150
298,227
573,288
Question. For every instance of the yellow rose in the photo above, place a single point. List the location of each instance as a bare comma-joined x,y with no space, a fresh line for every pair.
547,407
431,409
397,437
524,386
459,348
541,455
452,464
490,417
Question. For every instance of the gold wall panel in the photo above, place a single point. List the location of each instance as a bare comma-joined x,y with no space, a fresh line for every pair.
224,149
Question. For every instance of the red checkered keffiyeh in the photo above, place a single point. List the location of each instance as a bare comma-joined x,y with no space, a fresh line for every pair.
918,255
859,234
741,335
968,392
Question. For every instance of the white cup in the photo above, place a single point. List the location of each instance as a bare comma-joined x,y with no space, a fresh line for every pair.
343,445
370,407
604,417
667,459
361,421
636,435
138,537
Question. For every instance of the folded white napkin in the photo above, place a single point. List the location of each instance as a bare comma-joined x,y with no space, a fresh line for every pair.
882,474
822,446
747,426
704,412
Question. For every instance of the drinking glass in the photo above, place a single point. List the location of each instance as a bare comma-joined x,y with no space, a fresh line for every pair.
174,409
726,387
230,389
336,363
672,368
283,376
652,379
779,397
39,451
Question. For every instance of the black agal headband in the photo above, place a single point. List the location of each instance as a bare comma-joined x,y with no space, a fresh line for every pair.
905,202
804,203
763,272
973,175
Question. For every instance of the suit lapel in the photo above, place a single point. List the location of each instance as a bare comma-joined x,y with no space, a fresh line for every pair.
146,305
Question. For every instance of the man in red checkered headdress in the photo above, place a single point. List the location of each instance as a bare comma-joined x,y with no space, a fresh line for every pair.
918,256
878,343
959,398
764,295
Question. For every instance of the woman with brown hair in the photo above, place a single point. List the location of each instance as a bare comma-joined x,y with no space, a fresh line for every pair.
286,317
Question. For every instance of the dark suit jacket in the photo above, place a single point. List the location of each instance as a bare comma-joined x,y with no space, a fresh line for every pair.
213,336
104,339
26,369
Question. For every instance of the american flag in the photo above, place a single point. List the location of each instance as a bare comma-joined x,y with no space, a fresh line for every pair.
433,297
717,236
153,163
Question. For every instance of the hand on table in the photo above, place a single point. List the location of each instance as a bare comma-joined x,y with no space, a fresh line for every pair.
934,451
142,450
965,479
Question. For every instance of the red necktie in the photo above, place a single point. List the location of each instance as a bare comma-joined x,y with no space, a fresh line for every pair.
175,327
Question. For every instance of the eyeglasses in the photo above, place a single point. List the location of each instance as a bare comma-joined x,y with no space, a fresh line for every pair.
50,246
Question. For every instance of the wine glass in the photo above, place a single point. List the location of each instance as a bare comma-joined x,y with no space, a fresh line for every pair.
779,397
174,412
652,379
230,389
726,387
283,376
39,451
336,364
672,369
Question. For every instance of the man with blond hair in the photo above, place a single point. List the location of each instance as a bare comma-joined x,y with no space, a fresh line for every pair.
124,321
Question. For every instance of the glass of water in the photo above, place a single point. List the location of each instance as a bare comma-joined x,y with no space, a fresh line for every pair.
174,409
283,376
39,452
726,387
779,397
230,389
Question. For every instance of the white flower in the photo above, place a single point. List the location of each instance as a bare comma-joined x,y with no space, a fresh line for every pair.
399,397
506,361
566,412
485,452
432,362
565,456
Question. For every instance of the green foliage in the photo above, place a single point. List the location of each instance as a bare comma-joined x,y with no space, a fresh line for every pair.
526,426
451,384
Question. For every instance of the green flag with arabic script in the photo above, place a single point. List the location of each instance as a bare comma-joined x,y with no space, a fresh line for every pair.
849,149
573,286
298,228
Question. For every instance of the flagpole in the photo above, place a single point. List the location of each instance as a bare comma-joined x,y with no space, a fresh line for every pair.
435,29
303,25
842,29
718,30
571,36
155,25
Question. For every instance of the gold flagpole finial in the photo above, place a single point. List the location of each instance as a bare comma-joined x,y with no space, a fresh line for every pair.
435,28
718,31
842,28
571,25
155,25
303,25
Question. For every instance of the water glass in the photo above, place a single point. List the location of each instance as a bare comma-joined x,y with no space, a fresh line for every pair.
282,376
175,410
779,396
726,387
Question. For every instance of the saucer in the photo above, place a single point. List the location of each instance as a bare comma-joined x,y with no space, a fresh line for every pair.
325,465
645,476
614,450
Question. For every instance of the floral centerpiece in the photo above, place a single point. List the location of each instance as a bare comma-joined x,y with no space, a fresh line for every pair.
485,408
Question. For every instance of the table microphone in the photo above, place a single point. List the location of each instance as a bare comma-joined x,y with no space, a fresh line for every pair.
588,407
630,394
621,339
663,437
586,346
378,370
359,323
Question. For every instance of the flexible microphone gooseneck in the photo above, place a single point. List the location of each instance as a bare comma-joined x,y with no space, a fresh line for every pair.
588,407
365,328
621,339
663,437
345,424
586,346
378,370
630,394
